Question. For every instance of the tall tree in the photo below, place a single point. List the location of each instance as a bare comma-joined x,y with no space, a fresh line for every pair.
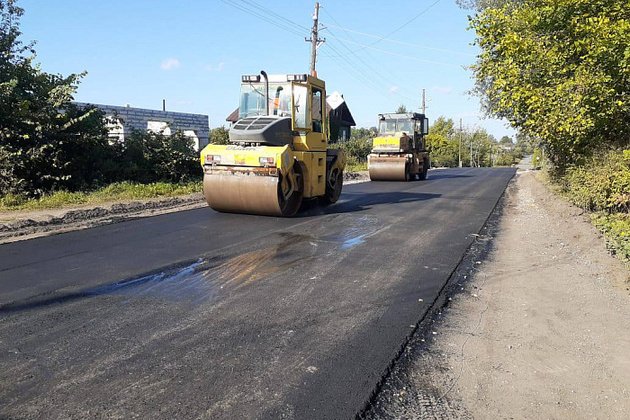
442,143
558,70
44,139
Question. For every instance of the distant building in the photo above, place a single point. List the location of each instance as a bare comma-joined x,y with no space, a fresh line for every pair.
339,116
125,119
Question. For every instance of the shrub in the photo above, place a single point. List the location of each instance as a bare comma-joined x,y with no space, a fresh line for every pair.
602,183
616,227
356,149
220,135
151,157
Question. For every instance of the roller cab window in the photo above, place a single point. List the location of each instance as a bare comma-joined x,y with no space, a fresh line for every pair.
316,110
253,95
301,108
386,126
391,126
405,126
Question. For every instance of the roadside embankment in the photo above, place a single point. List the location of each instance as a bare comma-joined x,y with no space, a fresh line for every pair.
601,186
27,222
539,329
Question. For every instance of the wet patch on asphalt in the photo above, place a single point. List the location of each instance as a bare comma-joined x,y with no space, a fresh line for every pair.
207,278
355,232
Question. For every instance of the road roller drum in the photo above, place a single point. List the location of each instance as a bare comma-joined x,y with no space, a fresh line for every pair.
389,169
277,155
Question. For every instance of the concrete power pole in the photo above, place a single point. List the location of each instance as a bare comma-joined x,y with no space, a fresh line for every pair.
424,103
315,40
472,162
461,134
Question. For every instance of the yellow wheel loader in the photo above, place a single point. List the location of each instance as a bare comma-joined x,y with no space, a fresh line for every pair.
278,153
398,152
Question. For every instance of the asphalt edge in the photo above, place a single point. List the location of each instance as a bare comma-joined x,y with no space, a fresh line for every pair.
463,272
112,213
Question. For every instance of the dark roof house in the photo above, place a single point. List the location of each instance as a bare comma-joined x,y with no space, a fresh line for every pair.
340,118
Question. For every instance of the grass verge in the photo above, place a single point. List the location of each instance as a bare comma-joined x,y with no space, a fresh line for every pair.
120,191
352,165
601,186
616,228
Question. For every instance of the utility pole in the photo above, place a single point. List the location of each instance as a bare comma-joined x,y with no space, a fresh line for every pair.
461,134
472,162
315,40
424,104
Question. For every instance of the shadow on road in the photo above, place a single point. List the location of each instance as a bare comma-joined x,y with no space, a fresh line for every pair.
363,201
446,176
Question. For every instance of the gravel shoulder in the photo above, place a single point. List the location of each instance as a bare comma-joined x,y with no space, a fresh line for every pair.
538,329
23,225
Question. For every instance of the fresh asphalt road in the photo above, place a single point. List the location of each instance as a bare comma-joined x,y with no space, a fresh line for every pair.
199,314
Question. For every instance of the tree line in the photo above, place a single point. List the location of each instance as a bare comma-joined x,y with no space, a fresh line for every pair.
446,144
47,143
558,71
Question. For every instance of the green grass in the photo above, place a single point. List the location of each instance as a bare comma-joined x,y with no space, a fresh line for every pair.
600,186
120,191
354,166
616,228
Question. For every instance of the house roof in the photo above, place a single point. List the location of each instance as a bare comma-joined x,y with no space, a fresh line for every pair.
335,102
233,117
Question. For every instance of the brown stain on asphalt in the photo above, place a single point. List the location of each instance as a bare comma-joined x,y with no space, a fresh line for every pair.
206,279
247,268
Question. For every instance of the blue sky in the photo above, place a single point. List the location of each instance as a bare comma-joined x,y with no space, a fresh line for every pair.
192,53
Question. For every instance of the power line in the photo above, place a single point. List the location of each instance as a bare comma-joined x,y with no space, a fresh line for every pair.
358,74
395,41
287,25
384,83
406,23
410,57
274,14
268,19
367,65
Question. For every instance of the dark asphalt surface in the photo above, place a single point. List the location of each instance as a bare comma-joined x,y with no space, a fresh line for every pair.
199,314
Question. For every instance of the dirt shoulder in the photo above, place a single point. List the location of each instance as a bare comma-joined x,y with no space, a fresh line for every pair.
540,329
22,225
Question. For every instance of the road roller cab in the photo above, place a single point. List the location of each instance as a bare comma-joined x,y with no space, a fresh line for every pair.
398,152
278,153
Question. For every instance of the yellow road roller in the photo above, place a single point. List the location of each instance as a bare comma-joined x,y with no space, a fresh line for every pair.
278,152
398,152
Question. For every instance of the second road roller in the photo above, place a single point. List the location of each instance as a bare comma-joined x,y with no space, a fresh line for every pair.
278,152
398,151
